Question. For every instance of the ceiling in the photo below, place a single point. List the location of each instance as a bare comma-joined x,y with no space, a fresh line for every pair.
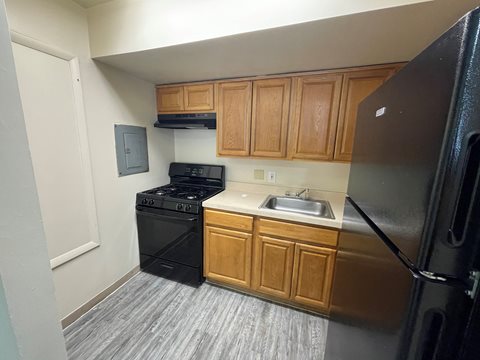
90,3
382,36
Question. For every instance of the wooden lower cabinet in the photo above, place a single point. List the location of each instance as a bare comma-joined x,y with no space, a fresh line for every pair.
228,256
273,266
313,275
290,262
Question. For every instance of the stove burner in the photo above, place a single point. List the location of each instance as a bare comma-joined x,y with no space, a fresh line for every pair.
165,190
197,194
180,191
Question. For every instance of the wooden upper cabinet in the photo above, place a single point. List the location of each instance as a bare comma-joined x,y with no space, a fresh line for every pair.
185,98
273,266
170,99
198,97
314,120
234,115
270,111
312,276
356,87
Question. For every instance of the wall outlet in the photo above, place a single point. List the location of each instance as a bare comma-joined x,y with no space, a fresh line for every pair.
272,177
259,174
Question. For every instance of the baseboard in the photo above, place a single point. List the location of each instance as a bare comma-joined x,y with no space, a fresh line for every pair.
76,314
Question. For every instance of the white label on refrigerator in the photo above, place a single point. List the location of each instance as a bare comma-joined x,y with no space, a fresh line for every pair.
380,112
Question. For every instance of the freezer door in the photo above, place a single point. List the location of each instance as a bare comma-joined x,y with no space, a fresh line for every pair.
398,142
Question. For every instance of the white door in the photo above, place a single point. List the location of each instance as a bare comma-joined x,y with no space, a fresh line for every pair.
59,153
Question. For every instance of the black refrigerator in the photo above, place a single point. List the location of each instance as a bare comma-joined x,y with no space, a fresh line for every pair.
405,283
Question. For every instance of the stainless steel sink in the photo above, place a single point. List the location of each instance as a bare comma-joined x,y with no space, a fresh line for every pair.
318,208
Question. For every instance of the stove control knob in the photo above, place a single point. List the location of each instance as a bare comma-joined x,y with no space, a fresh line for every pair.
179,206
188,207
144,201
151,202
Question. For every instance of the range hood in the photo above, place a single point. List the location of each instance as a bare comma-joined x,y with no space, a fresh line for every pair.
187,121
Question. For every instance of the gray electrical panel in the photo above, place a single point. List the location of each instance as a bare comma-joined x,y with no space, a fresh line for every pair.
131,148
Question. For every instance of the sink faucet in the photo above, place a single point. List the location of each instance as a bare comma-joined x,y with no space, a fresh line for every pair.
304,191
298,194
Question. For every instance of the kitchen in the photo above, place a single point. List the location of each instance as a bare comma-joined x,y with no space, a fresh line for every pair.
102,252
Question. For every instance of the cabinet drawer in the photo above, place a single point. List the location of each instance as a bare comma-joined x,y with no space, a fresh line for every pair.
299,232
229,220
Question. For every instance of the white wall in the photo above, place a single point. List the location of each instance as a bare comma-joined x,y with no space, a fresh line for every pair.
181,41
110,96
27,290
200,146
124,26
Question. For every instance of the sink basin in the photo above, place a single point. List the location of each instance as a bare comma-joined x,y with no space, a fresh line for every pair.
318,208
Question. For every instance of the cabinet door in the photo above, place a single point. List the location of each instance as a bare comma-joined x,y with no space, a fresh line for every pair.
312,276
228,256
198,97
270,111
273,266
170,99
234,118
314,121
356,87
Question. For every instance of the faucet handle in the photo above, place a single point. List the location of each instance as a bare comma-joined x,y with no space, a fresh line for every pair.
306,194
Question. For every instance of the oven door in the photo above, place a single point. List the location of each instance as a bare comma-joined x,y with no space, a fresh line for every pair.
170,235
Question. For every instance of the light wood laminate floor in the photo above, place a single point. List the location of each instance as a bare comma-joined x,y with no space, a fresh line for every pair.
154,318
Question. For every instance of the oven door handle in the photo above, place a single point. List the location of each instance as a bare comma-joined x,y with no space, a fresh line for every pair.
159,216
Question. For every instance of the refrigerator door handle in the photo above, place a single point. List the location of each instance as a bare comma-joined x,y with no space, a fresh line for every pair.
466,191
470,285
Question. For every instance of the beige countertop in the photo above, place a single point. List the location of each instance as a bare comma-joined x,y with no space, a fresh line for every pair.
247,198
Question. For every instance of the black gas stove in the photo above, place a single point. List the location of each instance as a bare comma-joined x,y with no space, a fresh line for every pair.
190,184
170,221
